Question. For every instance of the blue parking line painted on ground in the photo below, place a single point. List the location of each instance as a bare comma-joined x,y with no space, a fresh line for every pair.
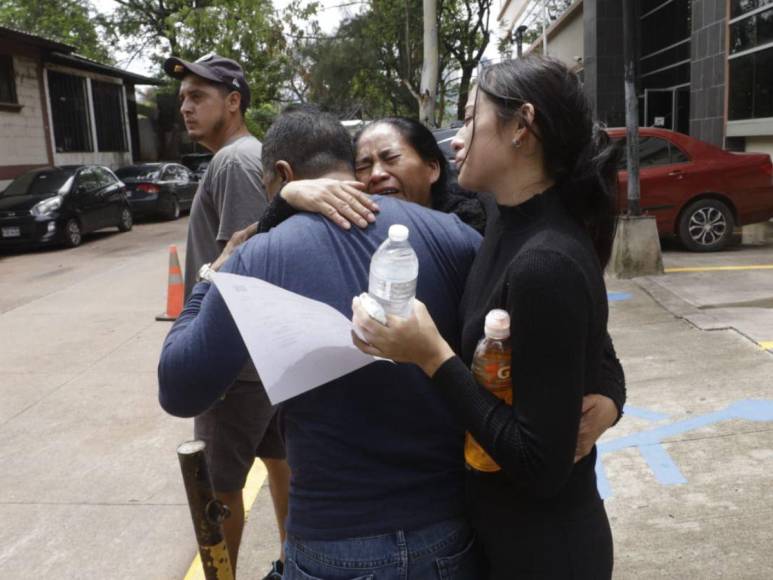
619,296
644,413
658,459
661,464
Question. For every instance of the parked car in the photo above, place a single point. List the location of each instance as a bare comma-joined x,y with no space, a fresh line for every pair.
197,162
164,189
696,191
61,204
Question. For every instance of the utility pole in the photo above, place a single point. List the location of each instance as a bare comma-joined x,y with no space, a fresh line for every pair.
631,107
519,38
636,248
429,68
545,24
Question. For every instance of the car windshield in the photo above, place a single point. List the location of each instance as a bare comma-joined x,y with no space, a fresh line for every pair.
138,172
40,182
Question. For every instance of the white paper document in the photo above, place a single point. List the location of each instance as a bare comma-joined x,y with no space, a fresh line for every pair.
296,343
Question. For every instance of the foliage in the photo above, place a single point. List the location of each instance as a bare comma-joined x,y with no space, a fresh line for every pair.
72,22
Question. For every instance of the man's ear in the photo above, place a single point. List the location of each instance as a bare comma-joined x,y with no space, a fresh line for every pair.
435,168
285,171
234,101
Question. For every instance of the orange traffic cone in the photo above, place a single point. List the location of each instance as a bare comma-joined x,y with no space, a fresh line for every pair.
175,289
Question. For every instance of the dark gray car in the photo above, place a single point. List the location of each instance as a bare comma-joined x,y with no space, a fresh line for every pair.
161,189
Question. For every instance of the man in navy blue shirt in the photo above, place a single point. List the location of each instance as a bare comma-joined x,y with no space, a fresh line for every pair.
376,456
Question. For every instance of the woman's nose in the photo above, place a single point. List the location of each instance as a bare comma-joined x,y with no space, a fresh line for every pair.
457,143
377,173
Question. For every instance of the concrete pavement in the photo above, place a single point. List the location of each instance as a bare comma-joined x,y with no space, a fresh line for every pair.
690,502
90,485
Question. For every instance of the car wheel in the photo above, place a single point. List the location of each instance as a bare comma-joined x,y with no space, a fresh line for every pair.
72,233
127,221
706,225
172,211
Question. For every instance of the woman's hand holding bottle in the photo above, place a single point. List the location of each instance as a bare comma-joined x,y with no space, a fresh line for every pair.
415,339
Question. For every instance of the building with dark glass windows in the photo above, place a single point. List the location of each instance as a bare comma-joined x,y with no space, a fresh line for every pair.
703,67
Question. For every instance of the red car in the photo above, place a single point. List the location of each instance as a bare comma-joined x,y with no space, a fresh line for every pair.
697,191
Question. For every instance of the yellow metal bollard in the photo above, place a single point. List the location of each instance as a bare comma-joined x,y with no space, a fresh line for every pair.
207,511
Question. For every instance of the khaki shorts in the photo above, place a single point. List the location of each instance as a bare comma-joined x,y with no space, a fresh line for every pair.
236,429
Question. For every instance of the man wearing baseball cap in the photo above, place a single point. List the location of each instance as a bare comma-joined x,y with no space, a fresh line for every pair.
213,98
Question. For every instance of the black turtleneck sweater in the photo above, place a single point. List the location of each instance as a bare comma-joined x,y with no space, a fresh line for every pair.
537,263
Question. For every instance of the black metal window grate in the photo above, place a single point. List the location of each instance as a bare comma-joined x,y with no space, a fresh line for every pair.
69,111
109,113
7,80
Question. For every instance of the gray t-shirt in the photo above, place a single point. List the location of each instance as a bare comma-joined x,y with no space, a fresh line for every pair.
230,197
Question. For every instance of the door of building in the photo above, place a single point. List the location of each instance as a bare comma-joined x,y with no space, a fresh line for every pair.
668,108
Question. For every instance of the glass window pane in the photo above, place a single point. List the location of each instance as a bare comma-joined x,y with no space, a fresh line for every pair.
738,7
665,27
649,5
67,95
88,179
765,27
763,80
743,35
741,87
677,155
105,177
653,151
138,172
108,109
7,79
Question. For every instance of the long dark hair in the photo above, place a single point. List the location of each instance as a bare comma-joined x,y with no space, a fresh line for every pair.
577,152
423,142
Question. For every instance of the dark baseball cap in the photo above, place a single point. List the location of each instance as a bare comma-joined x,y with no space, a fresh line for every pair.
214,68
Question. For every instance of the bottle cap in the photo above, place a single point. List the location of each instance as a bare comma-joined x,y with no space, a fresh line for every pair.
398,233
497,325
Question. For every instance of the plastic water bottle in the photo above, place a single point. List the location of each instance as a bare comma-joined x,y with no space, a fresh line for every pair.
491,368
394,269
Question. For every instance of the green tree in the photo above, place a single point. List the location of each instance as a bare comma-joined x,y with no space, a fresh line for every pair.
73,22
464,31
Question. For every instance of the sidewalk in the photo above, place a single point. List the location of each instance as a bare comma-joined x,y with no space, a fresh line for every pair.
697,506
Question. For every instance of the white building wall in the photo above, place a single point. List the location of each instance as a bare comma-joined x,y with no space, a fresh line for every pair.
567,44
22,134
761,144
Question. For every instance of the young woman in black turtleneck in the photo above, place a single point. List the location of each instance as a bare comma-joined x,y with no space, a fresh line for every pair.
529,139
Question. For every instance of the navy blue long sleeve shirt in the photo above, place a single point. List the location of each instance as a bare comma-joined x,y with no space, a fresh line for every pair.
371,452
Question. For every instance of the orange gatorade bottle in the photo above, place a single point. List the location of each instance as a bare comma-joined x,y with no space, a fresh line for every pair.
491,368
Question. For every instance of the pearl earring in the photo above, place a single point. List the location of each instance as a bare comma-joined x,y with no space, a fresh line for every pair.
516,143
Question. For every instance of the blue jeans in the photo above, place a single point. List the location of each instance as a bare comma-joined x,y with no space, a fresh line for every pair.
443,551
